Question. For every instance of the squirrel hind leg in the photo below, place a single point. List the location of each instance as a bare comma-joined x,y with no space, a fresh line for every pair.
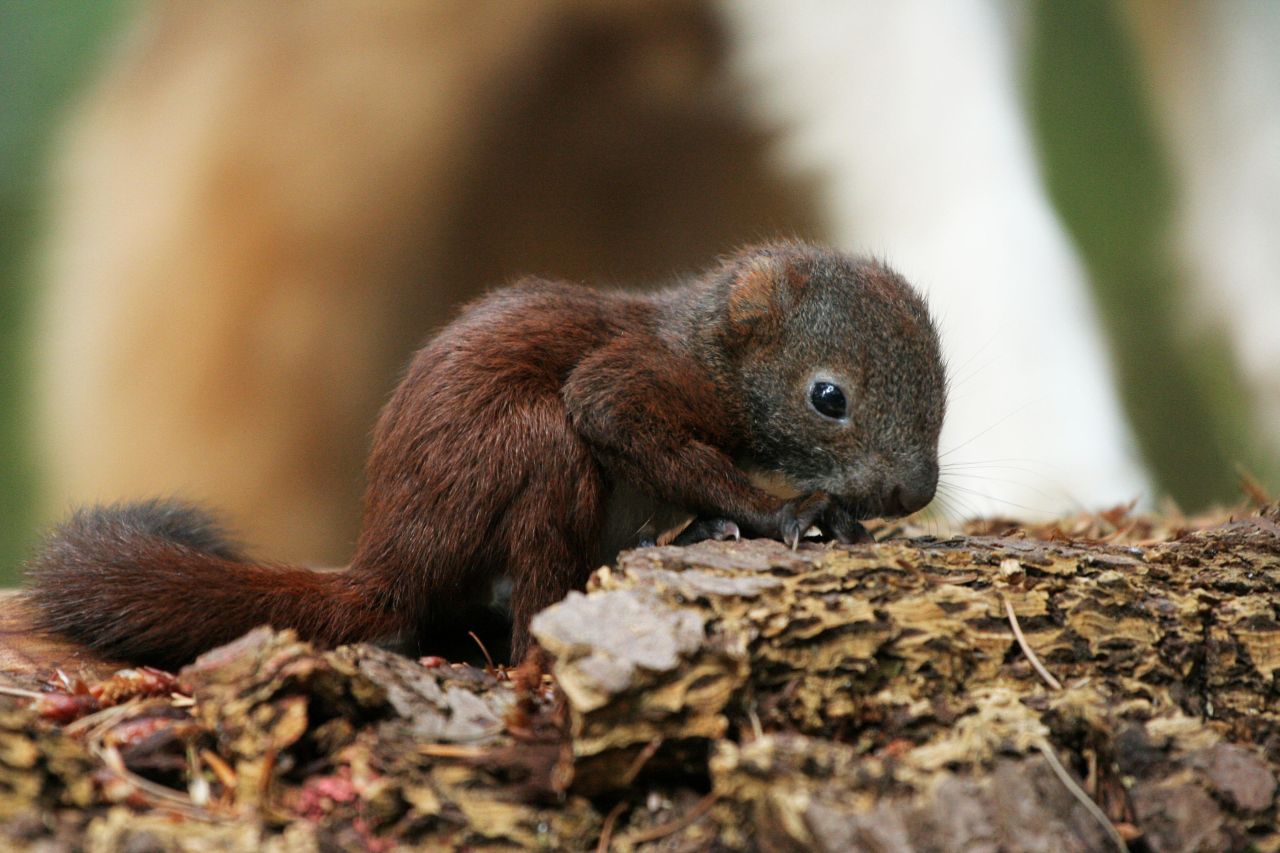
552,534
544,568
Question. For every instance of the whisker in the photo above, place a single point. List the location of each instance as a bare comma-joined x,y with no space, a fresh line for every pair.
954,505
1009,462
955,369
935,515
1016,411
1007,481
985,496
972,374
954,517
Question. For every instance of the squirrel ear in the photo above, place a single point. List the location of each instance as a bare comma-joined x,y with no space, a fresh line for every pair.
763,288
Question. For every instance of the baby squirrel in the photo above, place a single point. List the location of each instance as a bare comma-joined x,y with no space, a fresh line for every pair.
535,436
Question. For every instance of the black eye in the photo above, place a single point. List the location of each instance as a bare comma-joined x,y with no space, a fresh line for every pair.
828,399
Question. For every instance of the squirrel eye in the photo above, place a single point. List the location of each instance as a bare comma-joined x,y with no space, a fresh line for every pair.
828,400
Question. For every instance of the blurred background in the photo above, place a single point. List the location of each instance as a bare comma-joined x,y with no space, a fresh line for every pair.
226,226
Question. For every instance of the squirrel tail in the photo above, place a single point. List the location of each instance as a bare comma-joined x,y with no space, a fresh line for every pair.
159,583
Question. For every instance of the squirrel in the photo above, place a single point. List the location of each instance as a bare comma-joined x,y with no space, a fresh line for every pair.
534,436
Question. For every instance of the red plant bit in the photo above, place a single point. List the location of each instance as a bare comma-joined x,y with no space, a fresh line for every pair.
337,788
63,708
896,748
371,842
131,732
319,794
128,683
72,698
432,661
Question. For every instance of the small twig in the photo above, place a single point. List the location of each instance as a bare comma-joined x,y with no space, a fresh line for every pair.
1091,771
269,759
453,750
606,831
68,683
757,730
21,694
641,759
479,736
164,797
699,809
197,786
94,726
226,775
487,659
1026,647
1093,808
1252,488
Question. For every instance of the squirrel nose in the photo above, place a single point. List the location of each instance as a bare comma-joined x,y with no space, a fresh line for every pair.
904,498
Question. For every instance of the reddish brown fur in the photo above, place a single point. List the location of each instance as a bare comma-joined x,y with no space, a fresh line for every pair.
500,449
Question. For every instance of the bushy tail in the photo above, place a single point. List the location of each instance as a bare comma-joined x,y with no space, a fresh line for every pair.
158,582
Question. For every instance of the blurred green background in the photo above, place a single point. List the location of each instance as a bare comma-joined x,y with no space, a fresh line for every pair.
1102,160
47,49
1110,180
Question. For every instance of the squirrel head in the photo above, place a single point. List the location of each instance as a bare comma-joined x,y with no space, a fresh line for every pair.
841,375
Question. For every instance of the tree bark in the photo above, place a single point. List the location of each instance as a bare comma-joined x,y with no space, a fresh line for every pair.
733,696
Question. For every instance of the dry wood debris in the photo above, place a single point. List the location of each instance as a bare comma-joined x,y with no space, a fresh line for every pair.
733,696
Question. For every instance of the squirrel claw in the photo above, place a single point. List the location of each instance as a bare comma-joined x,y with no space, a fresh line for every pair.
797,515
726,530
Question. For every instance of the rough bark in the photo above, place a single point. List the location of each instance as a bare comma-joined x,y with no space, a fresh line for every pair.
736,696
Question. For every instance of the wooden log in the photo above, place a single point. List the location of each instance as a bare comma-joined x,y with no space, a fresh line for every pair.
1006,689
901,658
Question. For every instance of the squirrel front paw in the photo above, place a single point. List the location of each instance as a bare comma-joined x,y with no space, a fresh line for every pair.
839,523
793,518
788,523
704,528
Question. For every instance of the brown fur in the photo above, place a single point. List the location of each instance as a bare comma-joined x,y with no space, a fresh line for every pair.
513,429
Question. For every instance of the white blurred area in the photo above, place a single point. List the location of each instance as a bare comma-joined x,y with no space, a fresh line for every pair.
909,115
